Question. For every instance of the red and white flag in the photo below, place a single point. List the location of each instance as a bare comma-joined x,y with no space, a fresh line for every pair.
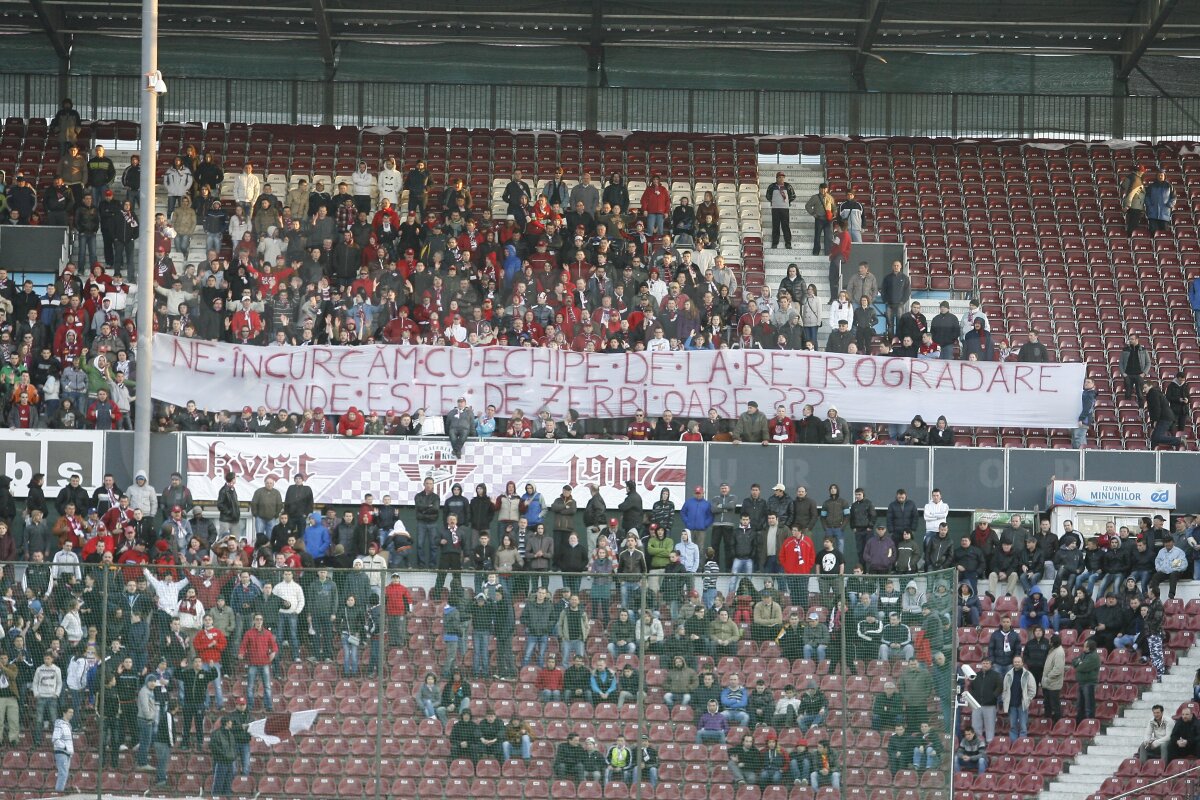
277,727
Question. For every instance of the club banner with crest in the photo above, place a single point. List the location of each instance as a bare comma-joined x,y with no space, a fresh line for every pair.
342,471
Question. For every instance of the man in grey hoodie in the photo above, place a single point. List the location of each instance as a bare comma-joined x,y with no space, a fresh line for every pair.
147,720
142,495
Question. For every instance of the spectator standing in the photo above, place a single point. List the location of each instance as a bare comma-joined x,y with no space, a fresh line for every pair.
822,208
1087,415
1160,203
1019,687
1133,199
63,743
896,291
850,212
259,649
1134,365
1087,673
985,688
223,749
1053,675
780,196
839,255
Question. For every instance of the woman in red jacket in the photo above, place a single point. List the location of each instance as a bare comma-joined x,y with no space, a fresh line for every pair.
352,423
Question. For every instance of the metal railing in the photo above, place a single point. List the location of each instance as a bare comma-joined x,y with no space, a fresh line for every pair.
378,735
724,111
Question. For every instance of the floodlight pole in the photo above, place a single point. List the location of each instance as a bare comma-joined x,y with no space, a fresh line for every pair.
144,404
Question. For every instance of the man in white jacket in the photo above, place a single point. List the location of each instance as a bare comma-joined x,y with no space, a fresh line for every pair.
246,189
178,182
63,742
391,182
936,512
292,596
361,185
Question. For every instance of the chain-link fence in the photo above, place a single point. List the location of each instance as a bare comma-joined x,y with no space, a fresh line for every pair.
603,682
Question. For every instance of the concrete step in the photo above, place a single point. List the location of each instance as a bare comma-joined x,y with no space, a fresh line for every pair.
1120,740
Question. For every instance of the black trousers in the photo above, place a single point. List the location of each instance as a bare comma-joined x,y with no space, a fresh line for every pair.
780,222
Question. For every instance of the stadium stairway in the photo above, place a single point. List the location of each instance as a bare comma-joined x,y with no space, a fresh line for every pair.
805,178
1100,760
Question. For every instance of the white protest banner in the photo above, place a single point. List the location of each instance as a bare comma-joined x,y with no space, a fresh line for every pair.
342,470
408,377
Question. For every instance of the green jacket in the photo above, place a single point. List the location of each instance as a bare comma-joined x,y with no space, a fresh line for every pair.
658,551
1087,668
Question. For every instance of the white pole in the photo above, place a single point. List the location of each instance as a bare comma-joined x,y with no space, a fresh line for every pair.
145,310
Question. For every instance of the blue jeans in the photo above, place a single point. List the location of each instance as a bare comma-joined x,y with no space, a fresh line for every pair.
651,775
806,721
571,647
453,649
426,535
629,593
350,655
213,241
162,759
526,749
654,224
1113,580
1125,640
1143,577
743,566
1018,722
980,765
289,634
1079,437
708,597
819,651
540,642
145,728
220,690
841,537
736,717
710,737
85,250
482,665
62,769
222,778
244,758
262,674
1028,580
1087,579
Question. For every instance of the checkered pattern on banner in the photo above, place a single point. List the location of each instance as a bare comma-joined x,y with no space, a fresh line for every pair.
399,469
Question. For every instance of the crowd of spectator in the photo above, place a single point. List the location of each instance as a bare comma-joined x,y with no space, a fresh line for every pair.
190,601
571,266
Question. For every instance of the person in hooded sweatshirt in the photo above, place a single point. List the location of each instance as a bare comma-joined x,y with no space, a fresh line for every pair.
317,540
1034,609
969,609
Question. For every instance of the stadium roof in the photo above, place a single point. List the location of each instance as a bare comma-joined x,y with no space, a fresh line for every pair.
1121,29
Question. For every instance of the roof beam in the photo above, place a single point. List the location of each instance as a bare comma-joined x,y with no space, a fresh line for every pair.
325,36
51,19
867,30
1138,39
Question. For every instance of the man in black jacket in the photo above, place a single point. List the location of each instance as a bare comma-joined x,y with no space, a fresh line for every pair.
428,509
755,506
229,513
1162,416
895,290
945,330
87,225
780,196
